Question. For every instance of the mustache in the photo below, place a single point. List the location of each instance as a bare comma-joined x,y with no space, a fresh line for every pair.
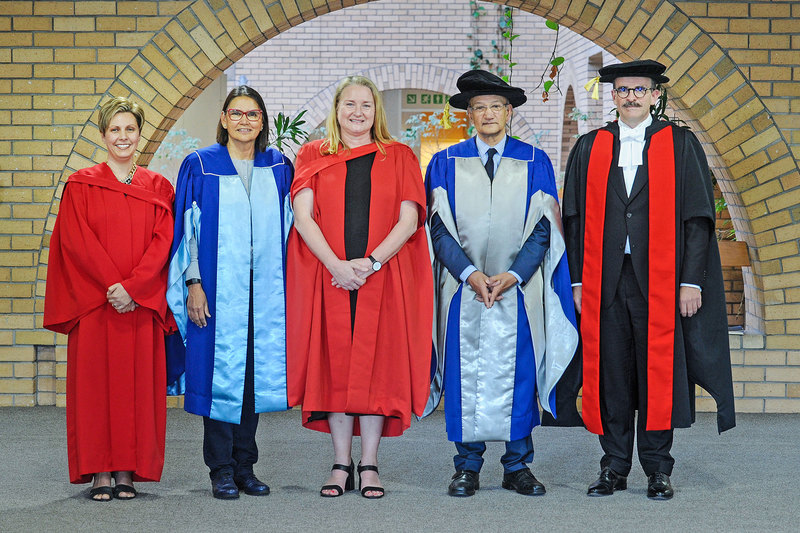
631,104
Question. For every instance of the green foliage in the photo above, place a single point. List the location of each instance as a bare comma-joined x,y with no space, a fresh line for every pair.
552,71
288,129
506,24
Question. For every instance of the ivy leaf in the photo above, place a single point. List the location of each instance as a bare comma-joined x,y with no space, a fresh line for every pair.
550,24
504,78
514,36
547,85
557,61
506,57
512,65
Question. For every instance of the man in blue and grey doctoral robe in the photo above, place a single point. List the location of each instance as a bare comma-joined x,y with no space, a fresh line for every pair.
505,320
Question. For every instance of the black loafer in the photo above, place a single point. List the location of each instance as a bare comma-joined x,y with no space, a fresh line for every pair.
607,483
223,487
251,485
465,483
524,482
659,487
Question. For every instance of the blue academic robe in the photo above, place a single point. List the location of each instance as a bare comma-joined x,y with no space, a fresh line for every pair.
212,204
495,363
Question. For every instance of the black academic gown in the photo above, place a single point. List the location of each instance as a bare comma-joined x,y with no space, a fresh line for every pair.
702,353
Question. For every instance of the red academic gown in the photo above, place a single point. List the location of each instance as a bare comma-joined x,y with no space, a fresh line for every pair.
109,232
384,367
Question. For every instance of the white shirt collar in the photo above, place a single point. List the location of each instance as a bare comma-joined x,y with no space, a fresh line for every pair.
632,143
483,147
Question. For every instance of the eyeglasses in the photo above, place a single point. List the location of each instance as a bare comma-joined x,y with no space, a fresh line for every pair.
638,92
254,115
481,109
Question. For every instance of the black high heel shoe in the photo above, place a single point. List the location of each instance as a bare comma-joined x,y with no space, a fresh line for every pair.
349,483
365,490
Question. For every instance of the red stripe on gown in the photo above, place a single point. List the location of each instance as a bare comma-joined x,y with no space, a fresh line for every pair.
596,188
661,290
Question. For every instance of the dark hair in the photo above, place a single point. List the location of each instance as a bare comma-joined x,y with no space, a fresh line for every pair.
263,136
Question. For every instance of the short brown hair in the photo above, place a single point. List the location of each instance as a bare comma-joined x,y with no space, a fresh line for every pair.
118,104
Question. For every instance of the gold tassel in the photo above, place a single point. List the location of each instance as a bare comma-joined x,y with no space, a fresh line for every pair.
594,86
445,122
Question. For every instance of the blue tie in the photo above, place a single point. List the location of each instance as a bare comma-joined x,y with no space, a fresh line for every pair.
490,163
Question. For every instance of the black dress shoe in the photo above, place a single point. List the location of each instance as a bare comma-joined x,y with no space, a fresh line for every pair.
223,487
607,483
465,483
250,484
524,482
659,487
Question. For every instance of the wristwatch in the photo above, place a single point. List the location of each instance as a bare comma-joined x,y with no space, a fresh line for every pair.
376,265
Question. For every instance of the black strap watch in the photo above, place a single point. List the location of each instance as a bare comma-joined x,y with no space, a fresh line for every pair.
376,265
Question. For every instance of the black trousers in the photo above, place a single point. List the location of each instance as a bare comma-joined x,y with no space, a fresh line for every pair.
623,383
231,448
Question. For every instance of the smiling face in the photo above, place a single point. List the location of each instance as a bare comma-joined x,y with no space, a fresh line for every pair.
632,111
489,114
243,130
356,112
122,137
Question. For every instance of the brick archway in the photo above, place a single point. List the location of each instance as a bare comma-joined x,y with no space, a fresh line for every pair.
733,82
707,90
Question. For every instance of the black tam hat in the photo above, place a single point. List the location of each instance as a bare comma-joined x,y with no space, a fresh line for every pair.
642,68
479,83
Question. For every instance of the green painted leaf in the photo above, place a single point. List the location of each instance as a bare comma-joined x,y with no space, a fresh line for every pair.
557,61
547,85
552,25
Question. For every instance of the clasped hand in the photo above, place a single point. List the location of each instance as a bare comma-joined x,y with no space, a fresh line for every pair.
489,289
350,275
119,299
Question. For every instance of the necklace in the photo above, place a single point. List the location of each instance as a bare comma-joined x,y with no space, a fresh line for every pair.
130,175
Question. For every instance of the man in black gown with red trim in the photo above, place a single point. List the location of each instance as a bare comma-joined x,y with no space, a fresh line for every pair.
639,222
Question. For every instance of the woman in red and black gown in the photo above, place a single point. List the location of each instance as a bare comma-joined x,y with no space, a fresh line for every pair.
359,286
106,284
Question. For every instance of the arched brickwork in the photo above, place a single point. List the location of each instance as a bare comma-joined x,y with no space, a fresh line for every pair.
61,59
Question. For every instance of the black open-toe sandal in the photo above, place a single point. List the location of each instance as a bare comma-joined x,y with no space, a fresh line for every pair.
101,491
365,490
349,483
119,488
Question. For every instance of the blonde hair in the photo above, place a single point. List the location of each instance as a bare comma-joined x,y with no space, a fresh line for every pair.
119,104
380,129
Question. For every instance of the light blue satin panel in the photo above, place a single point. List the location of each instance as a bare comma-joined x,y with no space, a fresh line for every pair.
176,284
232,300
269,309
288,220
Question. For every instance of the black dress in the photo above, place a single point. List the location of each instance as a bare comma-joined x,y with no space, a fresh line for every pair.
357,190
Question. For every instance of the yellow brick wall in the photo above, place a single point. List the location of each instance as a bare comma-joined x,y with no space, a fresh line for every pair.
734,69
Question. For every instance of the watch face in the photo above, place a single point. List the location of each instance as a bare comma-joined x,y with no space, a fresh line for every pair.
376,266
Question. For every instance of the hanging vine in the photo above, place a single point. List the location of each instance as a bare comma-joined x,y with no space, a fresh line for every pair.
477,59
552,71
506,25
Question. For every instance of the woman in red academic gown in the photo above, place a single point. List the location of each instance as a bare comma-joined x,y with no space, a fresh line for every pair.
106,288
359,286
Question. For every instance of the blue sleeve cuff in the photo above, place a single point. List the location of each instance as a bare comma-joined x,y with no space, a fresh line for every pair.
467,272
